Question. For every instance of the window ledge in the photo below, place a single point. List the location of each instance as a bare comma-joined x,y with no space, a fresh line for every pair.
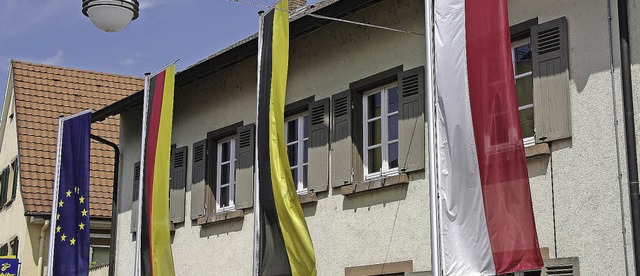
375,184
537,150
217,217
307,198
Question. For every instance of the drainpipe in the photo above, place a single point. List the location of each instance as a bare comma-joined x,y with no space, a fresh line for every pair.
114,202
629,129
43,232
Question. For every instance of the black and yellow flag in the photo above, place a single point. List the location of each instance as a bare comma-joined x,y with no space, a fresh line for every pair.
285,243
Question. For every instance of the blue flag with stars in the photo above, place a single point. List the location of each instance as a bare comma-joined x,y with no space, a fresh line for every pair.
71,246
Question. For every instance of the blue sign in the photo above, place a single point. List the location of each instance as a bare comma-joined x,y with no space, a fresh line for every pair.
8,267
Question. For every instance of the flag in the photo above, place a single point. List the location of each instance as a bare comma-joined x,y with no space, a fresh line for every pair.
285,243
486,215
70,217
155,243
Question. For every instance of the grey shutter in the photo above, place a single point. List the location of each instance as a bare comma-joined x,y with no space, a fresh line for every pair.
341,142
134,196
318,167
4,250
15,178
178,183
550,57
562,266
198,170
4,178
244,166
411,120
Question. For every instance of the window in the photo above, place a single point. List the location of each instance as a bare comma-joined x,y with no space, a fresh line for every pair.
99,254
4,250
13,247
297,132
226,175
522,64
380,131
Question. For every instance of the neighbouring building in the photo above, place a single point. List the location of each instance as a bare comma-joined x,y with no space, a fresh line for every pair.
356,137
36,96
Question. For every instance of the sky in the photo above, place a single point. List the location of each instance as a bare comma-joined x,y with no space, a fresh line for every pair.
56,32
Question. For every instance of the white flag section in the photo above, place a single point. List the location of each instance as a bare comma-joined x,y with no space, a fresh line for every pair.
486,216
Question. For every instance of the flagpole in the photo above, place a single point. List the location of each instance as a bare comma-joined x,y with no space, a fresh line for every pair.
54,209
145,108
433,180
256,188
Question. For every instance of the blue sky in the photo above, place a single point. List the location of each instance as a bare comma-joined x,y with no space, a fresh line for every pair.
56,32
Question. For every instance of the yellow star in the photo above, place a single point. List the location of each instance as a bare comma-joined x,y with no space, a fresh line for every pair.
63,237
84,212
73,241
58,229
81,225
57,216
82,199
60,203
68,193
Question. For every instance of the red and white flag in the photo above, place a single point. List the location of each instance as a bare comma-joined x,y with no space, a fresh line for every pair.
486,216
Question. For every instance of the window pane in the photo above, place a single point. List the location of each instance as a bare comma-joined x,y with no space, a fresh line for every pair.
292,151
305,152
224,173
523,59
292,131
306,126
224,197
100,255
393,127
225,152
393,99
375,160
374,105
393,155
294,174
526,122
375,133
305,177
524,88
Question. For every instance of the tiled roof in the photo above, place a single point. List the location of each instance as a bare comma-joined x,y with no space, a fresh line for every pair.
42,94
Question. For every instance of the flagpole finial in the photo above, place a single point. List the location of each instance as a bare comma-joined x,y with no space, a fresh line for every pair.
260,12
147,73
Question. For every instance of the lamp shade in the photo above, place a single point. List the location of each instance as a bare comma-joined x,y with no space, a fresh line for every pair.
111,15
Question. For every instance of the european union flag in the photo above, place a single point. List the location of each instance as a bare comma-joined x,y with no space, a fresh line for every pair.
71,230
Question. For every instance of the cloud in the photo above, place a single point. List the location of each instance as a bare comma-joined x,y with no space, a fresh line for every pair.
18,16
147,4
55,59
128,61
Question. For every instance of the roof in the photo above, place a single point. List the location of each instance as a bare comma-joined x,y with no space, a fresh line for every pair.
42,94
300,24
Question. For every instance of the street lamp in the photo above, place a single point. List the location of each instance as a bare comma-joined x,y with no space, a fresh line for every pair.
111,15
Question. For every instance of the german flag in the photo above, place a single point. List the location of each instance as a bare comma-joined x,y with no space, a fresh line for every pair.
285,243
156,256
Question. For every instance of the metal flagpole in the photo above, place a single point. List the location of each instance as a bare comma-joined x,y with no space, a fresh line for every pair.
54,210
433,179
256,189
145,110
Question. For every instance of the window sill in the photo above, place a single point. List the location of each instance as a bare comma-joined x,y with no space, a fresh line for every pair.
218,217
375,184
541,149
307,198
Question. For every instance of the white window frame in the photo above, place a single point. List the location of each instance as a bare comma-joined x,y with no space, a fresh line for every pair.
91,247
299,167
384,125
232,174
527,141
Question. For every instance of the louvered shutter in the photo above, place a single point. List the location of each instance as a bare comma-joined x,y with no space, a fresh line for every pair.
134,196
15,178
318,167
411,120
244,166
177,184
562,266
198,170
341,142
550,56
4,250
3,187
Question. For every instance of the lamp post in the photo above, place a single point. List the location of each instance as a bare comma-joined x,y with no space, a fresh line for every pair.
111,15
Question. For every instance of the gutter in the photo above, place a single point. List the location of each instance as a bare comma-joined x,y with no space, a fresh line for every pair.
43,232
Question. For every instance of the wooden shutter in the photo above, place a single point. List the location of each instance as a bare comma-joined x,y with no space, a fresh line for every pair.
318,167
562,266
198,170
244,166
177,184
411,120
3,188
134,196
550,57
341,142
15,178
